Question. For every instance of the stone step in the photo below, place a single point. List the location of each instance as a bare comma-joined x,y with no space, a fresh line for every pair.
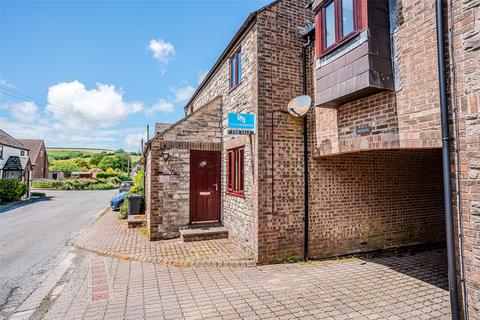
136,221
203,232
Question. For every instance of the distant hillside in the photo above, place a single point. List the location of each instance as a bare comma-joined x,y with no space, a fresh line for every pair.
85,150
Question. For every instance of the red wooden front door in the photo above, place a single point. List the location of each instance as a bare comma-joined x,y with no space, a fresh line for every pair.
204,186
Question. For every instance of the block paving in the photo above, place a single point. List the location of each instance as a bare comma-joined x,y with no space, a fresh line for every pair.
396,287
111,236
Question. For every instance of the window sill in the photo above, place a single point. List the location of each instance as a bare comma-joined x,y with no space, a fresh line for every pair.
233,88
236,194
342,49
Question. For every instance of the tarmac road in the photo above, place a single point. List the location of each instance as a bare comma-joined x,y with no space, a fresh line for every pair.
34,235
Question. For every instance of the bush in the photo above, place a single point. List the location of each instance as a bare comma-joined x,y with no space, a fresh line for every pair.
37,194
110,173
78,184
101,186
137,188
123,213
119,161
123,177
46,184
10,189
67,166
106,174
138,182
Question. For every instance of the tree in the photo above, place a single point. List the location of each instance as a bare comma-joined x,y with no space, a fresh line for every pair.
119,161
66,166
96,158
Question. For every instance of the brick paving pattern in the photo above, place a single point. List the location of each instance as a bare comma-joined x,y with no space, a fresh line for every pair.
110,236
99,280
409,287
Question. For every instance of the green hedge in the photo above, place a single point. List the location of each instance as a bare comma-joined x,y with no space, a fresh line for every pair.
11,189
37,194
78,184
137,188
118,175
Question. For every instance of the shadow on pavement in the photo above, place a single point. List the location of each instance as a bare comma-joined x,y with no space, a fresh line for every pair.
427,266
8,207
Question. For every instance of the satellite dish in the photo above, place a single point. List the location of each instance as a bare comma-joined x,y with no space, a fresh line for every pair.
298,107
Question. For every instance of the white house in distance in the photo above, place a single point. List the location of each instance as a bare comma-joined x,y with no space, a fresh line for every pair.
14,160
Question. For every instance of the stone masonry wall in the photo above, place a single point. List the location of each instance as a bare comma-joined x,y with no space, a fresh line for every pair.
168,182
238,213
467,88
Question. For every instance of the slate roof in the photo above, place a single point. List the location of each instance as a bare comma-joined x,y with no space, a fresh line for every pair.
244,27
8,140
13,164
160,127
34,146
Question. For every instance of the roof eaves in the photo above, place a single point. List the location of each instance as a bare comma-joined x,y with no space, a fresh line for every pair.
245,26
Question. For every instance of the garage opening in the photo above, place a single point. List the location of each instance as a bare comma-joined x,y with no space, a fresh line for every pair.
380,200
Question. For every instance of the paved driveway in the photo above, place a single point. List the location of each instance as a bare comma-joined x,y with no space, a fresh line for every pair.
32,236
406,287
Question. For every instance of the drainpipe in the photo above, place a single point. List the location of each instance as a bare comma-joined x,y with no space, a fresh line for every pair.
447,188
305,152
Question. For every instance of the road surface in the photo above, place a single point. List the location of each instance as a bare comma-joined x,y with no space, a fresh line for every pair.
33,236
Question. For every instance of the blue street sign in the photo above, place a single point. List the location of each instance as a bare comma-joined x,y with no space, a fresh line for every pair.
241,123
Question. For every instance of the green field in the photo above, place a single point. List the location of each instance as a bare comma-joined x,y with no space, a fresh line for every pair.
84,150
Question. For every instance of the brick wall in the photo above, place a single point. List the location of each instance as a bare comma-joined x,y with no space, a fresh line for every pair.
40,170
280,164
467,66
168,182
338,128
409,116
374,200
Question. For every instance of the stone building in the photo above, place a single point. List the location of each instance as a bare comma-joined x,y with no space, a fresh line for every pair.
374,136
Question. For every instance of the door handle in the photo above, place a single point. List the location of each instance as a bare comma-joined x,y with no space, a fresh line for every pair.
216,186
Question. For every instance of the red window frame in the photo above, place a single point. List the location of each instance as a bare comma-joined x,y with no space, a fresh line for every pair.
359,24
235,171
235,76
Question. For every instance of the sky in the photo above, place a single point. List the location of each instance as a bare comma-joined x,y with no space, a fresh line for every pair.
93,74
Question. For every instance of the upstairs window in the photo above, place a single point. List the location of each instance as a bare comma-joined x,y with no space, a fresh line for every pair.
235,69
23,153
235,171
338,21
1,152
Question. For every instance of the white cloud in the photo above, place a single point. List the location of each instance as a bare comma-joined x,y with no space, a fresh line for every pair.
162,50
183,94
132,140
162,105
202,76
5,83
76,108
25,111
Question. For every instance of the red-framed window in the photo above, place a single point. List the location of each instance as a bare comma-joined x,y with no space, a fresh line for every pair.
235,171
236,68
337,21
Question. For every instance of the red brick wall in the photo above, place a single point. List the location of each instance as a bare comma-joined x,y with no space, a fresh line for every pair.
374,200
280,218
409,116
40,170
